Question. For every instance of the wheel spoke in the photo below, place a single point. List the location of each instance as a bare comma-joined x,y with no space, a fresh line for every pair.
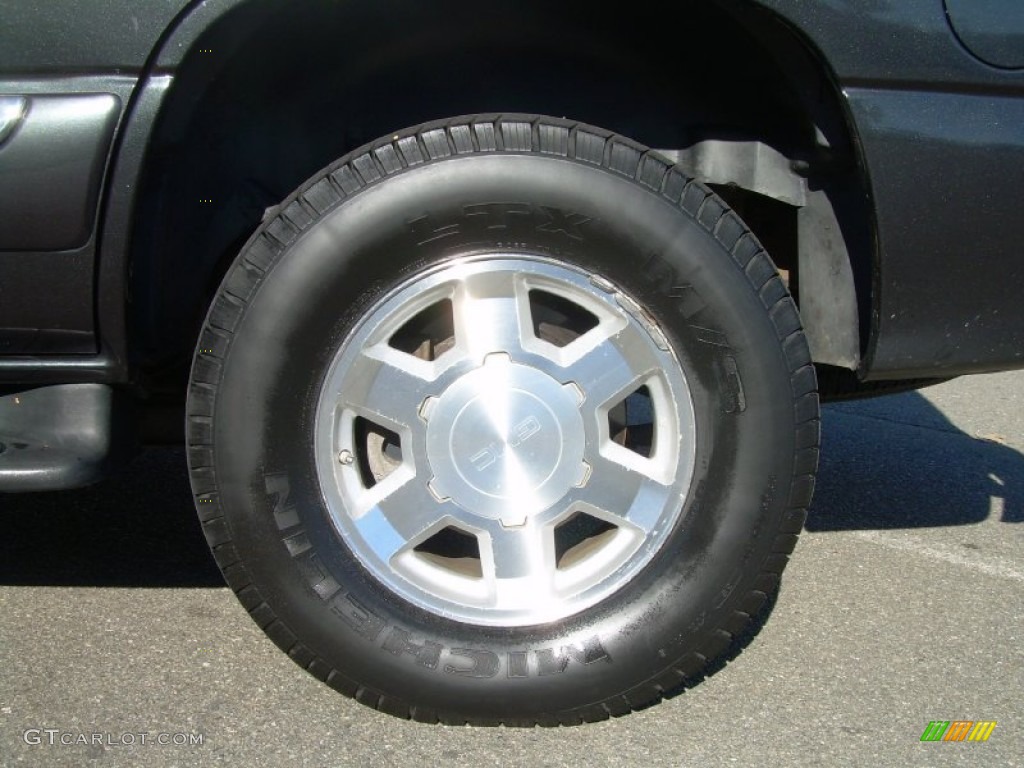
626,493
400,517
489,310
520,565
389,390
612,367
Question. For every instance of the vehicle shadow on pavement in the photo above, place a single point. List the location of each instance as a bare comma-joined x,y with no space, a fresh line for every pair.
893,462
137,528
898,462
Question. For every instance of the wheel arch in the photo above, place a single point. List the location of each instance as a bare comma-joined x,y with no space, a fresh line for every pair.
264,94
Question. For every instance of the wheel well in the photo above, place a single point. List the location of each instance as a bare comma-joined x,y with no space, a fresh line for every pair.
271,92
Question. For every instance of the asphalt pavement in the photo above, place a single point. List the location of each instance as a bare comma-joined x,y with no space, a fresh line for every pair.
902,605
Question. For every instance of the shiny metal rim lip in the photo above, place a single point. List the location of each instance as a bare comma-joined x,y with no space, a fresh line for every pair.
498,363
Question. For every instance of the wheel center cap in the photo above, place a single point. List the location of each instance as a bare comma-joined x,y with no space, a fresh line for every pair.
505,441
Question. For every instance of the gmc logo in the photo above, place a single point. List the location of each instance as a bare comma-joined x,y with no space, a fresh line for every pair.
521,432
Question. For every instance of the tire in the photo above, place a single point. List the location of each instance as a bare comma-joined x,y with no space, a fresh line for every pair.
503,420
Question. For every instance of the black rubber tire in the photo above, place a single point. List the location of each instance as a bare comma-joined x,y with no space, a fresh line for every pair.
583,196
